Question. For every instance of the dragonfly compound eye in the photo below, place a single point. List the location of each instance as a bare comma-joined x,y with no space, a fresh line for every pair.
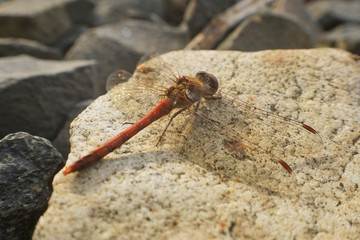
209,80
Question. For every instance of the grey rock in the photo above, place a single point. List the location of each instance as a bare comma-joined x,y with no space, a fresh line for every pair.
66,41
296,9
120,45
80,11
17,46
329,13
174,11
41,20
108,11
61,142
346,36
199,13
36,95
28,165
268,31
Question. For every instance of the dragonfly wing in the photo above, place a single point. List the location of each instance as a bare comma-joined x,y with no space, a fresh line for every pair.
278,128
253,131
116,77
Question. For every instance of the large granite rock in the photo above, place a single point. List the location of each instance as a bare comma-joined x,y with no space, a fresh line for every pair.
36,95
201,183
28,165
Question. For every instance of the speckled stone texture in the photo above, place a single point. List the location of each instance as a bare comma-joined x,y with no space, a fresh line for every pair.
200,183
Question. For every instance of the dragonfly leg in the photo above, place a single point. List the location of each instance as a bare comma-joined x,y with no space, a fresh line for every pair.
124,123
197,107
172,117
203,116
207,118
214,97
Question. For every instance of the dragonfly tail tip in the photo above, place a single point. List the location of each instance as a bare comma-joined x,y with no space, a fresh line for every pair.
68,170
286,166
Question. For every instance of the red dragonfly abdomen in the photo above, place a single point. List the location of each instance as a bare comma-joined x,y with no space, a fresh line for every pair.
162,109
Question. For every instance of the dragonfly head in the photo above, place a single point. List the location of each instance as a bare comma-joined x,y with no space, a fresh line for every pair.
210,83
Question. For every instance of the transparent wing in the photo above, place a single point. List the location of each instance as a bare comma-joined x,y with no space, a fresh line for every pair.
286,126
146,85
235,143
254,131
154,65
117,77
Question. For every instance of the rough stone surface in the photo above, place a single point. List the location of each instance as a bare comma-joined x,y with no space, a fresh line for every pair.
199,184
120,45
17,46
28,165
36,95
41,20
268,31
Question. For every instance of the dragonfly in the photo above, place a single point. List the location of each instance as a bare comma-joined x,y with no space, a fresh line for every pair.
188,92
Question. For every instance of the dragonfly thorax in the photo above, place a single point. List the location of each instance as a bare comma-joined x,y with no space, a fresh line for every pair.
188,90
